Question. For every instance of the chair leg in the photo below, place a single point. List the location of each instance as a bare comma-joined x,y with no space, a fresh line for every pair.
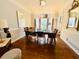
51,41
54,41
47,41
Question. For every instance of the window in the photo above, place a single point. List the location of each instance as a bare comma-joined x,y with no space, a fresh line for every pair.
44,24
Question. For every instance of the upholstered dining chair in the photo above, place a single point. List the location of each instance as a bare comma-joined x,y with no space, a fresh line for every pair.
40,38
34,36
12,54
52,37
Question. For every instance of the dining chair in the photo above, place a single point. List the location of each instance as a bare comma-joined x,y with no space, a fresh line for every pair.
40,38
54,35
33,36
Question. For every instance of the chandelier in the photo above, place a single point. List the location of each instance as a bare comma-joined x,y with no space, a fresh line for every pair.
42,2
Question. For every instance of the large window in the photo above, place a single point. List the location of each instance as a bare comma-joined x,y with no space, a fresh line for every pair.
44,24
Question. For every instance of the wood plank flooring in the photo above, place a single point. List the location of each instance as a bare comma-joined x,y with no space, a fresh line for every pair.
32,50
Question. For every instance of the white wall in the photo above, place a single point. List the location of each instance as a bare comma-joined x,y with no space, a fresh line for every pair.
70,35
8,11
17,34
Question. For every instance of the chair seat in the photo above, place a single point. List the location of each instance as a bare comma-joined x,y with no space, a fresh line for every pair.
12,54
41,40
34,38
48,41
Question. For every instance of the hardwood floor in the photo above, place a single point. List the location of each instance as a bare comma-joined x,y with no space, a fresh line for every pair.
36,51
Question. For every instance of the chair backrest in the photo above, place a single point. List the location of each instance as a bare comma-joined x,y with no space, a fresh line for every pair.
12,54
33,33
55,32
50,35
40,34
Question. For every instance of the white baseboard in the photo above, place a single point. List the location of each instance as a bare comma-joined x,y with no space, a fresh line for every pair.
16,34
17,39
77,52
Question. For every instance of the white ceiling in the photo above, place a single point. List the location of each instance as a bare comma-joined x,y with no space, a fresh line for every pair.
51,5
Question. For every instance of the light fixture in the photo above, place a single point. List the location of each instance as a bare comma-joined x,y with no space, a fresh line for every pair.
3,24
42,2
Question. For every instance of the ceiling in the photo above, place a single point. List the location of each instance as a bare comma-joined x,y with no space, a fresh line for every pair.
51,6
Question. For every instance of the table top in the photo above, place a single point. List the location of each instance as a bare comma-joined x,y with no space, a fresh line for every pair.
33,30
6,40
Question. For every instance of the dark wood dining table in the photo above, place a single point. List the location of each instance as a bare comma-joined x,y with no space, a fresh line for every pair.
51,34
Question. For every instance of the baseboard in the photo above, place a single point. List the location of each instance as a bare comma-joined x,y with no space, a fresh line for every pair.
77,52
17,39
